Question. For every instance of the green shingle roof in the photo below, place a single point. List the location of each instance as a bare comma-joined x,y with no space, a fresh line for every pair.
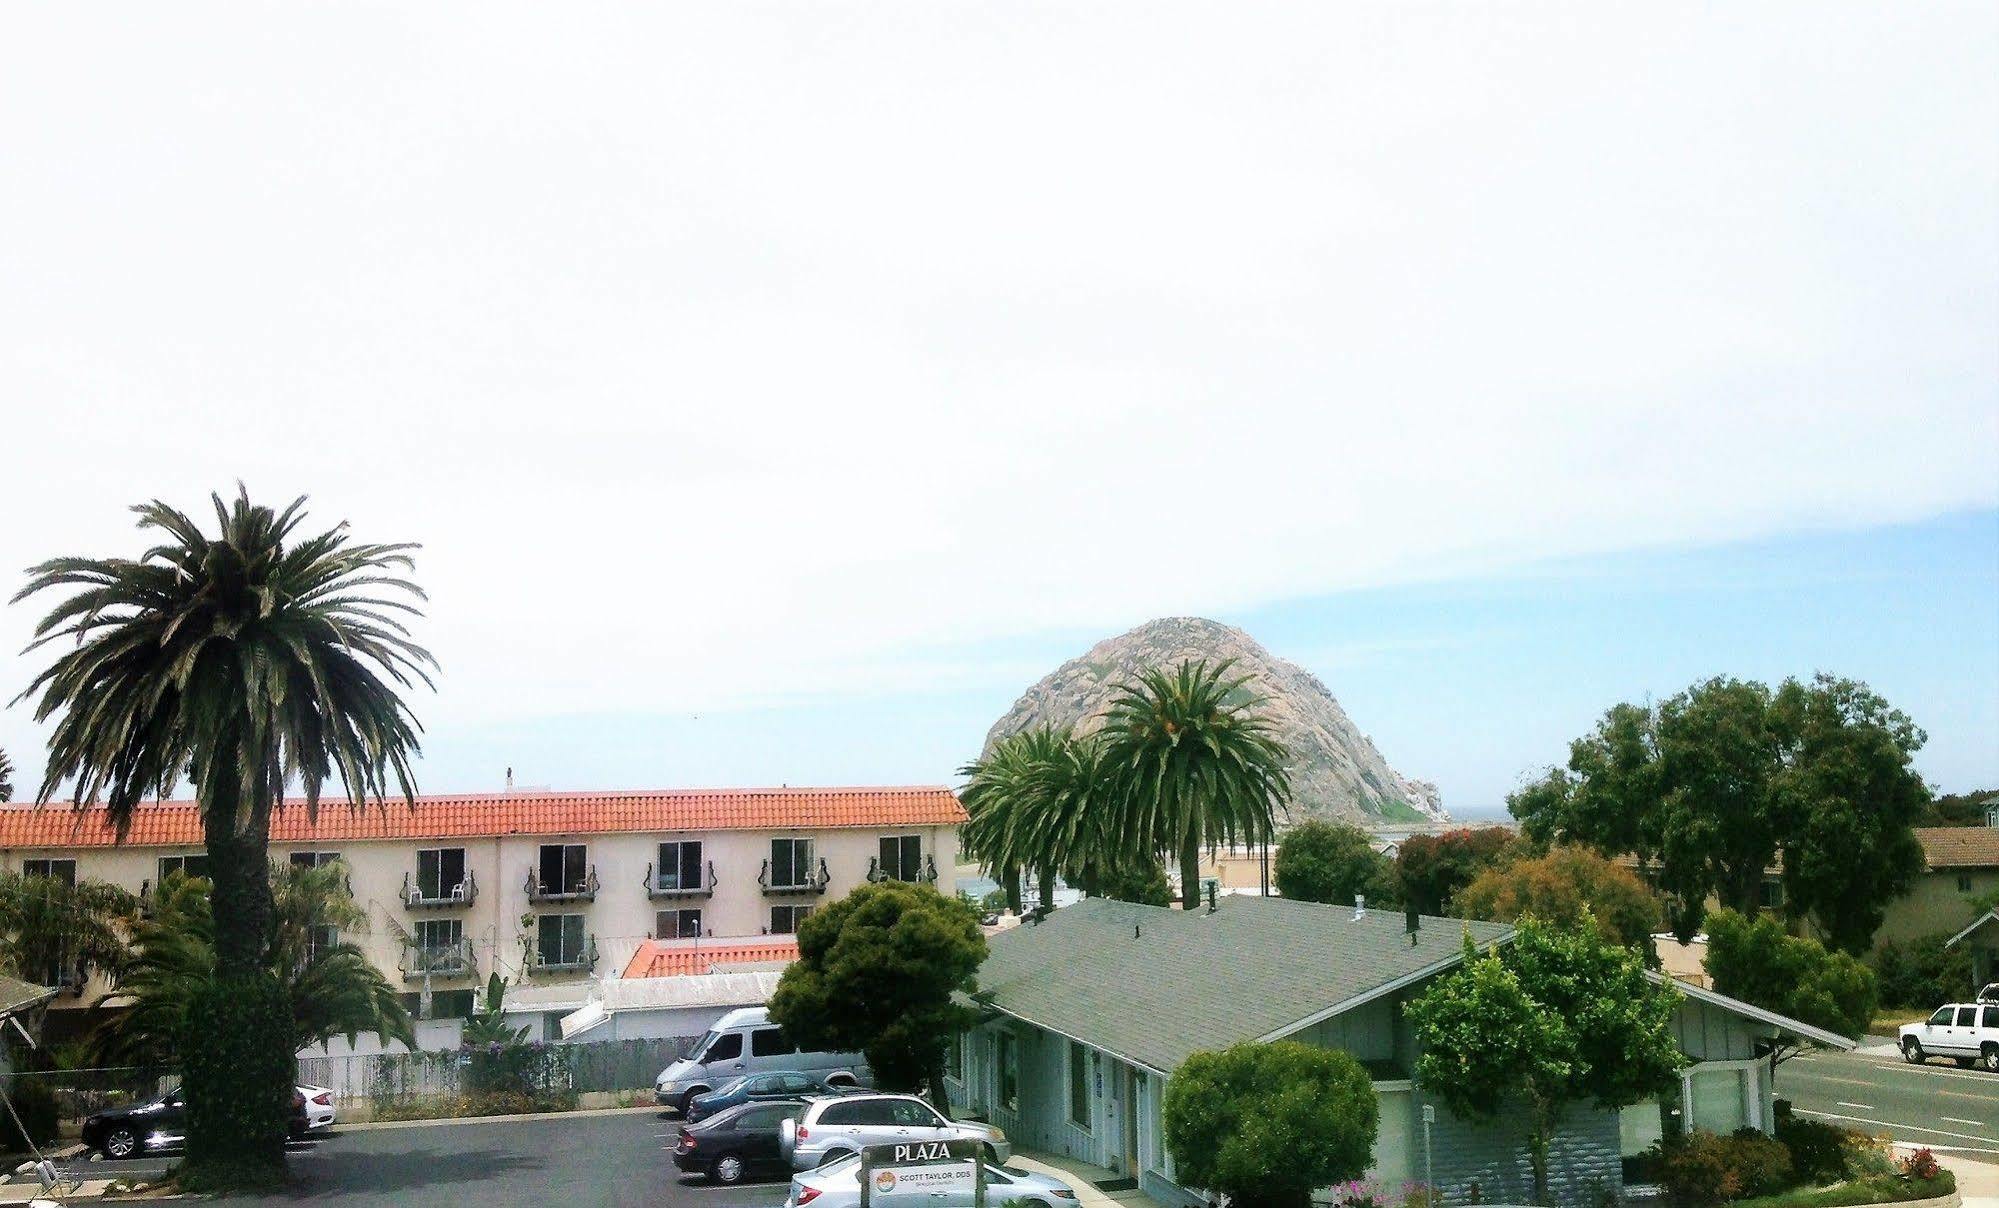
16,995
1189,981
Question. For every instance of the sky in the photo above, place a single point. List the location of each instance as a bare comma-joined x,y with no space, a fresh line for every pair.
778,389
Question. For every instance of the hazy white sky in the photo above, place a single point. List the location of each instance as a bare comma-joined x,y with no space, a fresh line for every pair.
725,354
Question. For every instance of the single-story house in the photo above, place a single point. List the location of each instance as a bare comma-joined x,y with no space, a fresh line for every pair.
1981,938
1094,1008
21,1011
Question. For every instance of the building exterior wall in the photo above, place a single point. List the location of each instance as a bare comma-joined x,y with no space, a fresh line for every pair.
1940,900
500,920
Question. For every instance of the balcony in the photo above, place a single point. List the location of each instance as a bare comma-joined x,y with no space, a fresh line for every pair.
814,883
581,962
437,961
461,894
662,887
583,891
927,877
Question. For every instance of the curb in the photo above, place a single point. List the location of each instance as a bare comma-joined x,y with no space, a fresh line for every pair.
579,1114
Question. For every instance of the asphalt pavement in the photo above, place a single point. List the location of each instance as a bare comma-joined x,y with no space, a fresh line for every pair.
1938,1104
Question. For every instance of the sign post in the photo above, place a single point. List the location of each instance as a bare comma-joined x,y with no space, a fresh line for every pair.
923,1168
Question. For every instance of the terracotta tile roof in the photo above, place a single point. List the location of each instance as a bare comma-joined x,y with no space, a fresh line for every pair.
654,959
175,823
1959,846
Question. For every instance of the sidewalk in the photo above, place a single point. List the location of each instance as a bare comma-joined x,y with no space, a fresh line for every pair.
1079,1175
1977,1182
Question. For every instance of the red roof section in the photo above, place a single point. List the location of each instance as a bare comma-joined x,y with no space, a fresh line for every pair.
654,959
177,824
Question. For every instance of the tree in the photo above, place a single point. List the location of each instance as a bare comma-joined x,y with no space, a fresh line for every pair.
878,972
1567,886
1432,868
246,659
488,1026
1041,799
1726,779
1265,1124
1755,961
51,930
1331,862
328,989
1144,884
6,778
1949,809
1195,764
1555,1018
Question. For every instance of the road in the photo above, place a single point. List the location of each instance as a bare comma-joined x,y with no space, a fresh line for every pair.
1937,1104
571,1161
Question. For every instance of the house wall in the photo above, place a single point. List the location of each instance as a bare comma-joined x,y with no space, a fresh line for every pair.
501,919
1936,902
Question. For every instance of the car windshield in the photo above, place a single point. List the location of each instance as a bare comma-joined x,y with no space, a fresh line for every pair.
700,1052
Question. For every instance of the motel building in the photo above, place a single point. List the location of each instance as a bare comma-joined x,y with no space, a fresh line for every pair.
546,889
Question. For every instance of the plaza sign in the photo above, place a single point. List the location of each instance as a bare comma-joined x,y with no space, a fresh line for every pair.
923,1168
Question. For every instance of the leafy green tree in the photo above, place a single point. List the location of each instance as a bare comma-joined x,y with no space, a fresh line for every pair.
1332,862
1923,972
51,929
6,778
1755,961
1144,883
1556,1017
1266,1124
1431,869
878,972
1195,764
1727,778
1949,809
245,659
328,990
1569,886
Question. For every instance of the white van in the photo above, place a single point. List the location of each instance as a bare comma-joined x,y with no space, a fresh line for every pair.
745,1041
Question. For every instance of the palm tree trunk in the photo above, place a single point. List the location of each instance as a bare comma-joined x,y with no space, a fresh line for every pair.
1047,879
1011,877
239,869
1190,875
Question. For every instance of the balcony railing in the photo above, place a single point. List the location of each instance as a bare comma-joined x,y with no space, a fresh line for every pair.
580,962
877,874
813,882
658,889
437,960
585,891
461,894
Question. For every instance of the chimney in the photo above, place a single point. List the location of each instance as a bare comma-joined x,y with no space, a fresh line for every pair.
1359,907
510,780
1211,894
1414,921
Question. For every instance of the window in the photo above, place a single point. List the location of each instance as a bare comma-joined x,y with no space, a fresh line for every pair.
796,1084
1964,882
841,1113
679,866
913,1113
313,859
1771,895
440,871
790,863
563,867
875,1111
319,939
1967,1017
559,939
61,870
1718,1098
765,1119
444,1004
187,866
1941,1019
784,920
1992,1017
901,857
676,925
440,935
1079,1086
770,1042
1009,1071
720,1046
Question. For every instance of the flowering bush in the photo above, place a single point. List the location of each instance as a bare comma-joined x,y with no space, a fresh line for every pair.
1921,1164
1360,1193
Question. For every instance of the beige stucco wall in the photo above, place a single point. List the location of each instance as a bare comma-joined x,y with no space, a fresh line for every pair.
621,917
1935,903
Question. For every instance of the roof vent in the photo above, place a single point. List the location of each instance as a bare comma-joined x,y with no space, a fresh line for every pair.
1359,907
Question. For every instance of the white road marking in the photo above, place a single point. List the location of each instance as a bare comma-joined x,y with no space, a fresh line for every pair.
1892,1124
1866,1107
1962,1120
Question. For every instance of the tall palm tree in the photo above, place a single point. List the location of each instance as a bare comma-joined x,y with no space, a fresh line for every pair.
1195,763
6,778
52,930
246,660
996,786
1042,799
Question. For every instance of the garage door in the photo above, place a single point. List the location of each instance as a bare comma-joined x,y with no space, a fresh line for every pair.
1392,1147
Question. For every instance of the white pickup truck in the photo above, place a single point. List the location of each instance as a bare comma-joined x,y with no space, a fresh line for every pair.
1966,1031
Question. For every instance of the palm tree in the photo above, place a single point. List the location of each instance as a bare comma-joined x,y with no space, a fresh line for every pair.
1043,799
246,660
1195,763
6,778
52,930
333,989
995,786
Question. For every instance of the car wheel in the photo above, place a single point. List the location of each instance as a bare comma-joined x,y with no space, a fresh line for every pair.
1990,1058
728,1170
1912,1051
122,1143
687,1100
1965,1063
992,1156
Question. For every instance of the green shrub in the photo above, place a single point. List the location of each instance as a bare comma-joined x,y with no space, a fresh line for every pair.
1922,972
1820,1152
1701,1169
35,1104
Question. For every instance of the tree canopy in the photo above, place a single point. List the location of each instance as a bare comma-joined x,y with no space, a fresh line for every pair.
1569,886
6,778
1265,1124
51,930
1755,961
877,972
1043,800
1332,862
1431,869
1555,1017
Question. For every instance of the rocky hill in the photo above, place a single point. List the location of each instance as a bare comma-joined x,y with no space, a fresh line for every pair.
1335,770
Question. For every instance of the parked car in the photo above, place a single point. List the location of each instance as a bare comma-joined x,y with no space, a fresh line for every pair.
737,1142
831,1129
745,1041
319,1111
1965,1031
159,1125
838,1185
752,1088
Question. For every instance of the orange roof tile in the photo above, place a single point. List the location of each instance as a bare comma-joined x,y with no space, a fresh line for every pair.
176,823
1959,846
654,959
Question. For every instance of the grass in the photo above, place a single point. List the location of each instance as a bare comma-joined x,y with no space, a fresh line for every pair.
1393,810
1874,1189
1888,1019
